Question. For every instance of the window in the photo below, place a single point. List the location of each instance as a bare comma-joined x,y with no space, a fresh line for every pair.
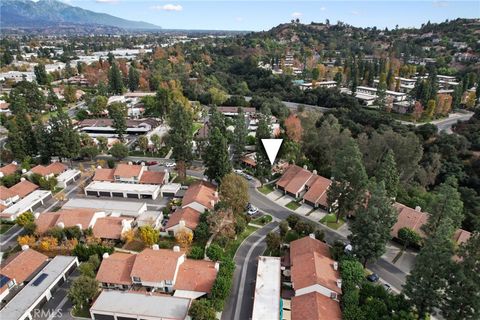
136,279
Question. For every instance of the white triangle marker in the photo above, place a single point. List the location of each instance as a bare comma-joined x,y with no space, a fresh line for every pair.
271,147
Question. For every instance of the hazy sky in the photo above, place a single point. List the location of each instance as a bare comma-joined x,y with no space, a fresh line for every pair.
262,15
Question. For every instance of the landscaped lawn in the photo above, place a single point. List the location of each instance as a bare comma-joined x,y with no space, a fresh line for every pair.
4,227
266,189
293,205
263,220
233,245
159,154
188,181
196,126
82,313
330,221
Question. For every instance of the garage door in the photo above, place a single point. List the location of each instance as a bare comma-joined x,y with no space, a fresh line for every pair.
132,195
104,194
146,196
103,317
36,205
92,193
126,318
117,194
168,194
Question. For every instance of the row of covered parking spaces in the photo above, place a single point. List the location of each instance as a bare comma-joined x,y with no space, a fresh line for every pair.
122,190
30,203
40,289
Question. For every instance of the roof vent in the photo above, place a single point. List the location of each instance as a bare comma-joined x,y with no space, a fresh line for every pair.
22,179
14,162
176,249
25,247
312,235
418,208
155,247
105,255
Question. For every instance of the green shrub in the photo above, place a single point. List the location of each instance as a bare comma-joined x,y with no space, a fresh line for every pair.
197,253
214,252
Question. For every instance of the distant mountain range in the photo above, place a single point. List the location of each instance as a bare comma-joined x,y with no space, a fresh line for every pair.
51,13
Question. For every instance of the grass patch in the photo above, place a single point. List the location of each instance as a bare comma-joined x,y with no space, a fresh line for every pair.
82,313
263,220
293,205
330,220
188,180
4,227
266,189
159,154
196,126
233,245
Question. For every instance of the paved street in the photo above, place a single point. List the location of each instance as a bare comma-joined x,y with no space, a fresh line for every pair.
240,302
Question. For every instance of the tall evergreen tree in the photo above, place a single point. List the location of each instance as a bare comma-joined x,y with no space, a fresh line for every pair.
462,295
388,173
372,225
216,156
350,180
180,137
15,142
240,135
41,74
217,120
133,79
428,279
118,113
381,91
63,139
115,80
263,168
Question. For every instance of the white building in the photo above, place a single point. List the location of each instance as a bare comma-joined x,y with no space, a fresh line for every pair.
114,208
266,303
122,190
67,177
32,201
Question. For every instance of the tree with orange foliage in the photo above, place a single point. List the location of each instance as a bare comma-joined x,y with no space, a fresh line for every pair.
184,237
293,127
444,104
417,111
128,235
26,240
48,243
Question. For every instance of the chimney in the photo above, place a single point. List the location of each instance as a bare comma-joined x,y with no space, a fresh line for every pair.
217,266
312,235
61,225
14,162
129,163
99,167
181,223
215,194
314,172
79,225
125,223
24,171
176,249
212,203
155,247
105,255
418,208
339,283
335,265
305,167
143,164
22,179
25,247
36,215
1,174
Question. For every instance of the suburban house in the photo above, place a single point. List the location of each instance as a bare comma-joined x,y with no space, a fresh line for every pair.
158,270
294,181
9,196
8,169
128,173
103,226
200,196
267,301
315,279
53,169
182,219
31,202
67,177
19,268
316,195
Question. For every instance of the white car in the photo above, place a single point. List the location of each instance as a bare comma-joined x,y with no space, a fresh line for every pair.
252,210
170,164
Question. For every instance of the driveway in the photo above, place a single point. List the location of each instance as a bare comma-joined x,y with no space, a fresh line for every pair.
317,215
405,262
284,200
240,302
304,209
274,195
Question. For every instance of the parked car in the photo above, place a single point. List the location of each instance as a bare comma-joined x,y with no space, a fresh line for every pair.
170,164
252,210
387,287
248,177
151,163
238,171
373,277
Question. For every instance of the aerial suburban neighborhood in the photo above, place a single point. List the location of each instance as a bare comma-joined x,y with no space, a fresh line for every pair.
232,160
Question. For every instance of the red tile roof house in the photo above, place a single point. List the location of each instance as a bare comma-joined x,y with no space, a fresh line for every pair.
316,195
314,273
129,173
53,169
182,219
294,181
159,270
8,169
104,227
19,268
200,196
9,196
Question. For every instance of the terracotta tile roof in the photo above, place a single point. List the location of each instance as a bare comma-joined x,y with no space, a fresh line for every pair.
152,177
6,193
461,236
196,275
312,264
410,218
116,268
53,168
315,306
23,264
24,188
2,207
109,227
165,262
294,179
127,171
103,175
69,217
317,190
200,192
189,215
9,169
